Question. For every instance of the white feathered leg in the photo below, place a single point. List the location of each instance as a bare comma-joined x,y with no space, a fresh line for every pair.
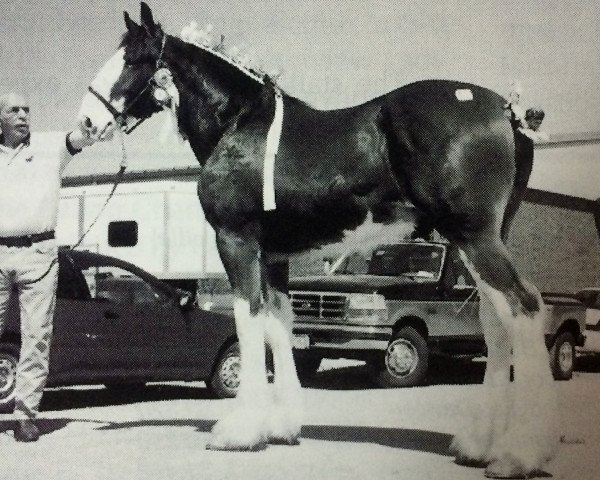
246,428
532,435
472,445
285,418
523,424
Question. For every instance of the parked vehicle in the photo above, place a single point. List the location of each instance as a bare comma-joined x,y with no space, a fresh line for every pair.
159,226
117,325
590,297
396,304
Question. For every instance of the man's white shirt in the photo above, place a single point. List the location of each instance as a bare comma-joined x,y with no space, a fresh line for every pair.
30,184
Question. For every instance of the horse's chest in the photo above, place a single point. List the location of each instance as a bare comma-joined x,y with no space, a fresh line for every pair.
230,183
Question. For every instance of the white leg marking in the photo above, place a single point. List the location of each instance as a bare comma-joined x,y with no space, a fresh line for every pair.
245,428
473,444
285,421
533,434
529,409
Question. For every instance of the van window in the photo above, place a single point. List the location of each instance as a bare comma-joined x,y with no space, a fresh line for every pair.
123,234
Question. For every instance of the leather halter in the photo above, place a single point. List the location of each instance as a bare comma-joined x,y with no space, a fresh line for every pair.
121,117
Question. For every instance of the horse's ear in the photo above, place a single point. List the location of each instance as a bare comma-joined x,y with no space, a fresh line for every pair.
146,18
129,23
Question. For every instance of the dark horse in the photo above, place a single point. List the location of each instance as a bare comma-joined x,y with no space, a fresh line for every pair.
443,149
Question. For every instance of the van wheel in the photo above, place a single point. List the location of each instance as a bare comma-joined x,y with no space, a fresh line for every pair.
225,379
562,356
9,358
405,361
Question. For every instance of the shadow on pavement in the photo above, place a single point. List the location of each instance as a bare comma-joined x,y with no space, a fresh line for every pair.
402,438
70,398
588,362
442,371
45,425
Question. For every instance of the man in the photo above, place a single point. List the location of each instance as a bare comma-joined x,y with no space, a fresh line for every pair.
30,169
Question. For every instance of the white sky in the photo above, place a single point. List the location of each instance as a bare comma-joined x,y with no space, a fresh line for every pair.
333,54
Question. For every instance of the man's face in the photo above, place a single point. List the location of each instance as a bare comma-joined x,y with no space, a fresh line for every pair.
14,117
534,123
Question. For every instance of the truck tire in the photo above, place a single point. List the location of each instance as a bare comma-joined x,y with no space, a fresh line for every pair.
405,361
225,379
9,358
562,356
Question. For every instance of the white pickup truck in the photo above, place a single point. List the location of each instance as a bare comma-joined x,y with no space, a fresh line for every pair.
396,304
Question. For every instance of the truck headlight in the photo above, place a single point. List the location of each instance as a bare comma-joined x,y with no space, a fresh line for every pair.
366,301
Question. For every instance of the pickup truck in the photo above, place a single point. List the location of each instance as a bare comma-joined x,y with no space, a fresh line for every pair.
396,304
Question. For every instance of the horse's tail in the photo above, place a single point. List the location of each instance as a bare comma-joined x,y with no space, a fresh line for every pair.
524,165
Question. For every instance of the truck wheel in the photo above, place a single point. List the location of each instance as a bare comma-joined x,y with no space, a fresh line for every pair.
562,356
405,361
9,358
225,379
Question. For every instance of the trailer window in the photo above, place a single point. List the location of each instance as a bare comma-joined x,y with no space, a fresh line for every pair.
123,234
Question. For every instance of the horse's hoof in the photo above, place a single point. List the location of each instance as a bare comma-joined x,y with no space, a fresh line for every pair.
237,448
470,459
511,468
292,442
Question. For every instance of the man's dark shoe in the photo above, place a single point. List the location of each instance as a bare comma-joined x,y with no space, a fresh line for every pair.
26,431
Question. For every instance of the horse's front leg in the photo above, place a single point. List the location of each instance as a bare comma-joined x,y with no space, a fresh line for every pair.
285,418
245,426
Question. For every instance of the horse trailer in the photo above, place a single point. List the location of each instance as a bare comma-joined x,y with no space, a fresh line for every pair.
158,226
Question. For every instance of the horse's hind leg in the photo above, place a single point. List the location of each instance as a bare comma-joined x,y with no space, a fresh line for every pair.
245,426
285,417
473,444
531,435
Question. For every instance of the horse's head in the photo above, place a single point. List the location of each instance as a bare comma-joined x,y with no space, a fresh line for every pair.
125,89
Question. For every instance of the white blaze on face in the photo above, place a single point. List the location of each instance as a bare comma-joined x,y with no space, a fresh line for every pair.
108,75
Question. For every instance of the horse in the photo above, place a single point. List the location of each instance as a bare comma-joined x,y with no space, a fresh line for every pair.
279,177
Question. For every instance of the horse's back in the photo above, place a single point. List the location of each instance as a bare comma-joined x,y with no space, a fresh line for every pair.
438,111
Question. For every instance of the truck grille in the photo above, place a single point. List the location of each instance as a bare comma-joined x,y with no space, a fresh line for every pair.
320,305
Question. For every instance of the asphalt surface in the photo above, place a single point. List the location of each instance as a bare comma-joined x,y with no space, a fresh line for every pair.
352,431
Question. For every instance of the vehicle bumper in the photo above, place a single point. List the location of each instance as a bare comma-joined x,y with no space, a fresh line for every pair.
344,337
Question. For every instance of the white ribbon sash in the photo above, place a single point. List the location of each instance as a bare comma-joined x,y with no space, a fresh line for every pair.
271,150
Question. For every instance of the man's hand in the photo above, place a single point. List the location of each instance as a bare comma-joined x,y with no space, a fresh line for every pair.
79,139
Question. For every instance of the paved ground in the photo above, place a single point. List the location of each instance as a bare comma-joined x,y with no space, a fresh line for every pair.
352,431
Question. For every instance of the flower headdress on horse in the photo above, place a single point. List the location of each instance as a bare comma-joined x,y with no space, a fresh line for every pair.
237,55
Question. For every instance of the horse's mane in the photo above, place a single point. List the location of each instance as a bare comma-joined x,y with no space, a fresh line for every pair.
225,69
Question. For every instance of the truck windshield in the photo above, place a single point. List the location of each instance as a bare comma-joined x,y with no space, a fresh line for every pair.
411,260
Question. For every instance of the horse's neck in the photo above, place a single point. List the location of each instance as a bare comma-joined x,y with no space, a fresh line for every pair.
209,102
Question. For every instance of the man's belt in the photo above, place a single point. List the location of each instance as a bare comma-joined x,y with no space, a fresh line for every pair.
26,240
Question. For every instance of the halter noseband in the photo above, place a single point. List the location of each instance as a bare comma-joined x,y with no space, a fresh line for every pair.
121,117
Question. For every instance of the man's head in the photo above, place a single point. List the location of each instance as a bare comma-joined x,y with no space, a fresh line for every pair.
14,119
534,117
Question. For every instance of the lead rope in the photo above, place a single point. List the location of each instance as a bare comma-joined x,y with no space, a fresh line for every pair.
118,178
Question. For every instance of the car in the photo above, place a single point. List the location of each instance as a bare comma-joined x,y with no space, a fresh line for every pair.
117,325
590,297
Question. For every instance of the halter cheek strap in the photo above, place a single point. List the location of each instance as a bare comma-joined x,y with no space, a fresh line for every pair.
113,111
